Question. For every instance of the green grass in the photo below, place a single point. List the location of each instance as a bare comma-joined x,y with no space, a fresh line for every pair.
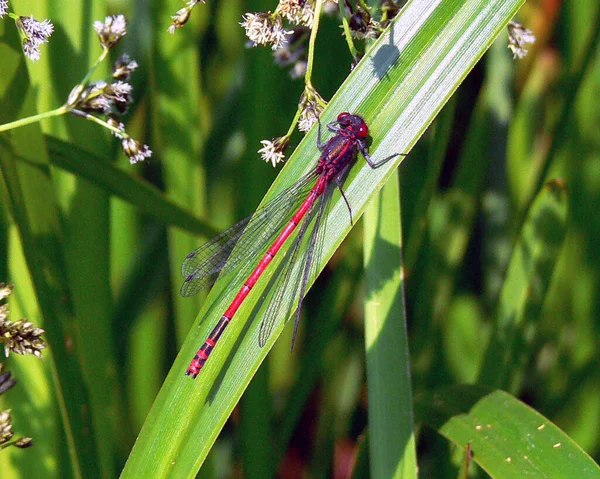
480,252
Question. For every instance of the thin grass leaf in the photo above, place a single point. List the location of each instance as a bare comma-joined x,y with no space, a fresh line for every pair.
399,87
391,427
147,198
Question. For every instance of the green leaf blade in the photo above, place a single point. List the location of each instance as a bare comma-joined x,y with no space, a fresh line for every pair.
429,50
507,437
391,426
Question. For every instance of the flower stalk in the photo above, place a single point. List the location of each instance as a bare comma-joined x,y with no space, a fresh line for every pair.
290,49
88,99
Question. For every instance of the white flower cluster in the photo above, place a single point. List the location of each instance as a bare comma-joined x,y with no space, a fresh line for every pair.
518,38
263,28
36,34
112,30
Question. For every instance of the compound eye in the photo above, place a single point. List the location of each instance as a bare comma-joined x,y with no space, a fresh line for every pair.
363,130
342,116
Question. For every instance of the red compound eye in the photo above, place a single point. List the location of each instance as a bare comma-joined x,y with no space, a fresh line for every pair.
363,130
342,115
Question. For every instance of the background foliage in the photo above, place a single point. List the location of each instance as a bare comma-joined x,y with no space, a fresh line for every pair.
500,247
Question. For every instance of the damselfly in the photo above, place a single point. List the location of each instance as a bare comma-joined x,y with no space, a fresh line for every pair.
306,199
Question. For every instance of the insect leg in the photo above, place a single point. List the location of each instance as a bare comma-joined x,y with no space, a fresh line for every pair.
338,182
375,164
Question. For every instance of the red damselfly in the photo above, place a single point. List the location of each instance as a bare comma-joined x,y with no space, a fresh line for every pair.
270,227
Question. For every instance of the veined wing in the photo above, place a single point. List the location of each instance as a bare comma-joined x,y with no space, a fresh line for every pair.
249,238
291,283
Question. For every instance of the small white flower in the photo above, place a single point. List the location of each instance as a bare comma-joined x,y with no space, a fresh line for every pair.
180,18
112,30
91,99
5,290
298,12
115,123
124,67
119,91
36,33
3,7
119,95
31,50
264,27
135,150
312,107
21,336
96,88
272,150
518,38
102,97
307,119
6,432
24,442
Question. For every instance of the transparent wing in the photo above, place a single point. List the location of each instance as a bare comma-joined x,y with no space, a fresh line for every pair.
250,238
294,281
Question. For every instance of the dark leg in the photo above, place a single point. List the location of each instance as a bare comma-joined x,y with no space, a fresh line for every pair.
339,185
375,164
338,182
332,127
321,144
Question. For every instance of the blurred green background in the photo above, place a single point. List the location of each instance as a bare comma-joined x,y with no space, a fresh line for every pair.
203,103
